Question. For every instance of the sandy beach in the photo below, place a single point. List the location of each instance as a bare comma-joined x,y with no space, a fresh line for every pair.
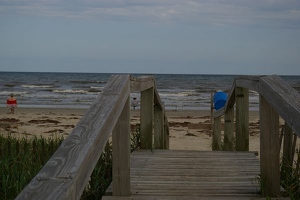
189,130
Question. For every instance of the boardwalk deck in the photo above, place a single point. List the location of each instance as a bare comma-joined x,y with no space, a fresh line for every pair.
176,174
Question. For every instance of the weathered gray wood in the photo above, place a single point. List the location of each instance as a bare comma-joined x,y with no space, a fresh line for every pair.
288,156
219,113
211,111
121,153
147,114
193,175
158,128
284,99
157,100
141,83
210,197
161,132
294,143
216,139
166,133
249,82
229,103
229,139
269,149
65,175
242,119
231,97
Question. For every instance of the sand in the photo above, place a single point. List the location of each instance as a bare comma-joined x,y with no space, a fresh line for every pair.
189,130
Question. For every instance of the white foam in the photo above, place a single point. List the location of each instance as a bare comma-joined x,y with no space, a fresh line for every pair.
36,86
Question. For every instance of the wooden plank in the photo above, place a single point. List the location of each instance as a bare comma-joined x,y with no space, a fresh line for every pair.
141,83
121,153
158,127
219,113
193,174
157,100
269,149
215,197
166,133
284,99
288,153
211,111
229,140
147,115
249,82
65,175
242,119
216,139
231,97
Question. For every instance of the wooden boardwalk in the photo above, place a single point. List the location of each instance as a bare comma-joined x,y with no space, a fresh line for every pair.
177,174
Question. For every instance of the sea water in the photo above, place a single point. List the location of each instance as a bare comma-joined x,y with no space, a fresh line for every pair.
80,90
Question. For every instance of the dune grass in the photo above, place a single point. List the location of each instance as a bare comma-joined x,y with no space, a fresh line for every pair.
22,158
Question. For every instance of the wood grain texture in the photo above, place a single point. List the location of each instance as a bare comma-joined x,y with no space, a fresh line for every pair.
269,149
216,139
288,147
158,127
283,98
166,133
161,133
249,82
176,174
65,175
141,83
147,117
242,119
121,153
229,139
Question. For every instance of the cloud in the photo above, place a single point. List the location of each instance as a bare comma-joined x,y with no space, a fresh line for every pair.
266,13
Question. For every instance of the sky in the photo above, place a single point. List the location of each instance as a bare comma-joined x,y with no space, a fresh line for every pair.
253,37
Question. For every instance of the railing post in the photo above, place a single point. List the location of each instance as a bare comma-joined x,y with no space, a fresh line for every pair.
287,158
242,119
147,112
158,128
211,111
269,149
166,133
121,153
229,130
216,144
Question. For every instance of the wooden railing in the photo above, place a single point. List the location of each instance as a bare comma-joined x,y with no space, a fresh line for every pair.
67,172
277,98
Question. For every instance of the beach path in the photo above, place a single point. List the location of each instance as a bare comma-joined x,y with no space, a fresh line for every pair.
182,174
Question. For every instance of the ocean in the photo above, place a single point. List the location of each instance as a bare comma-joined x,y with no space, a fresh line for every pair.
79,90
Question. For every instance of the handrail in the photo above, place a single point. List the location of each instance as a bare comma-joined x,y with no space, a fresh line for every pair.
283,98
67,172
151,105
276,98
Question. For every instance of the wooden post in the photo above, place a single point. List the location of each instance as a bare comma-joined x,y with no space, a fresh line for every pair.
269,149
216,143
242,119
287,159
166,133
158,128
121,153
211,111
147,110
229,130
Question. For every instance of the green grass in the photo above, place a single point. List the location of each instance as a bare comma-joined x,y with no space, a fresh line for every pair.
21,159
290,179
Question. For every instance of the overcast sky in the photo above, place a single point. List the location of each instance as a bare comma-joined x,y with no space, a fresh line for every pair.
159,36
